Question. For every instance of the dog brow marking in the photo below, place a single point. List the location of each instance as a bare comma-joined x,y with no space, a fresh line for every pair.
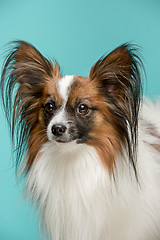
64,86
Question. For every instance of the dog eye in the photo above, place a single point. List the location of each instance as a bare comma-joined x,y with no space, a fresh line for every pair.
49,107
82,109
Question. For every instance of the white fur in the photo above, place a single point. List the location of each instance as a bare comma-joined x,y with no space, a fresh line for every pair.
80,201
63,87
59,118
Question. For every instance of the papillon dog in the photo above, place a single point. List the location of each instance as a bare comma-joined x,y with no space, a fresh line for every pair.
90,145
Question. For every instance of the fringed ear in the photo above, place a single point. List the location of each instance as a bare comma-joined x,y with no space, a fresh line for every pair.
23,80
26,53
28,70
118,72
118,78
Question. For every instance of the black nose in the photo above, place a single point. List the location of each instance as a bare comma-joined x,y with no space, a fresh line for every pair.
58,130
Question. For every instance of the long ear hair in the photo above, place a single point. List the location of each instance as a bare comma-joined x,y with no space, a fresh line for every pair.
23,80
118,76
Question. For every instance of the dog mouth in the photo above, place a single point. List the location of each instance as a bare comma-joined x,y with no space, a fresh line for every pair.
63,141
77,140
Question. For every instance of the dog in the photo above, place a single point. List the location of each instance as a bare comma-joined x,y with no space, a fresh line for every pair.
90,145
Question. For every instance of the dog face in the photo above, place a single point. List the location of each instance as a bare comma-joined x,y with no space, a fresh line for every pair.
71,114
100,110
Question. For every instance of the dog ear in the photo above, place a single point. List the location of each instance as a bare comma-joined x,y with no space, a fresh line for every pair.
28,65
23,81
118,73
118,79
27,70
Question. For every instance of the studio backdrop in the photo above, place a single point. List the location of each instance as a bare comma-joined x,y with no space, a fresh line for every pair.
76,34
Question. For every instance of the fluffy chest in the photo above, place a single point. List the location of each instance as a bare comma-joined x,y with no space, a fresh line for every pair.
77,197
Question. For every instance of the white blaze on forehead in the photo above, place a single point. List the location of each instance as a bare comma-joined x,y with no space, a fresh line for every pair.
64,86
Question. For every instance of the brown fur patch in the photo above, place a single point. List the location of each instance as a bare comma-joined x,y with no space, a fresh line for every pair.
103,135
37,139
38,135
27,70
118,79
156,146
153,131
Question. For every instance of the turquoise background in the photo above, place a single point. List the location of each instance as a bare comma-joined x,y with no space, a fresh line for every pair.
76,33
